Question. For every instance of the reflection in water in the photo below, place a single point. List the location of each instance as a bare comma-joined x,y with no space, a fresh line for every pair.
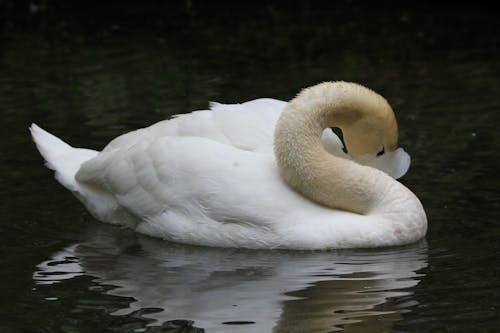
262,291
437,67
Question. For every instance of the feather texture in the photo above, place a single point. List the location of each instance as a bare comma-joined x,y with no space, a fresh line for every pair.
210,178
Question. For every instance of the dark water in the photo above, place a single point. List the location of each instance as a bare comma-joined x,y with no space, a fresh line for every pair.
89,73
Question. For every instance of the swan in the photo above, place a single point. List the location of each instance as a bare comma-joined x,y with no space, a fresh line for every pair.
263,174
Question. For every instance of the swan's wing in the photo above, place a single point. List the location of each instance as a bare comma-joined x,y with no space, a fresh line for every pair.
188,175
247,126
199,191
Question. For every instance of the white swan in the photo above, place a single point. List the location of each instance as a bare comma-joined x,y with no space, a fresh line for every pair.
211,178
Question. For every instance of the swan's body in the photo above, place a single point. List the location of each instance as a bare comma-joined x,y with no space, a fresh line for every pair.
211,178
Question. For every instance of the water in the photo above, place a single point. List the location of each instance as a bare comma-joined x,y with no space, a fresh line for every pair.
89,80
221,288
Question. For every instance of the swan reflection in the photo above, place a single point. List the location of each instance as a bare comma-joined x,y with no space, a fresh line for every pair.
269,291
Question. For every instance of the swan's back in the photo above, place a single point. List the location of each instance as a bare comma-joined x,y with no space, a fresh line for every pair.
247,126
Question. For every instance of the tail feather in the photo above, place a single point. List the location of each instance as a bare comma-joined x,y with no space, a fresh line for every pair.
60,157
66,161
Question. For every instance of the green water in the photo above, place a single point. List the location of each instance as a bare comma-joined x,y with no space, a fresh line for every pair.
88,75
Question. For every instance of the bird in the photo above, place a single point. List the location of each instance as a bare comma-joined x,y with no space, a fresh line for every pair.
264,174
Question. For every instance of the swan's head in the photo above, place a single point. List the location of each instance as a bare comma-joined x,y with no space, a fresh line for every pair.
369,128
368,123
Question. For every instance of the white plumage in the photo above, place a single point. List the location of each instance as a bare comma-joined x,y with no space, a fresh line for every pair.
210,178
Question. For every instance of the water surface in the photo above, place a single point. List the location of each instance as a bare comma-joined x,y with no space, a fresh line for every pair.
89,80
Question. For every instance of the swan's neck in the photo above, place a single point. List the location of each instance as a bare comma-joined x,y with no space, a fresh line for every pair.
307,167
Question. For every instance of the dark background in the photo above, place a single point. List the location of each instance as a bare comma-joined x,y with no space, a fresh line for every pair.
89,71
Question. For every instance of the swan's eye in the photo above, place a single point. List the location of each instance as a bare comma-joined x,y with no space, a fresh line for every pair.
381,152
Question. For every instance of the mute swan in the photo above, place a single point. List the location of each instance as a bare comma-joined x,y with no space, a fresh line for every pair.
211,178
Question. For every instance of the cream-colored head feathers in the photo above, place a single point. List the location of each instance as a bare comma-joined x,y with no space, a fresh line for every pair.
368,125
366,119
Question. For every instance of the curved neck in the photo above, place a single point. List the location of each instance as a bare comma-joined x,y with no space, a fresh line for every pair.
308,168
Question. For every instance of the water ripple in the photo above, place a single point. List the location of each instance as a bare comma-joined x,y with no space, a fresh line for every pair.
280,290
